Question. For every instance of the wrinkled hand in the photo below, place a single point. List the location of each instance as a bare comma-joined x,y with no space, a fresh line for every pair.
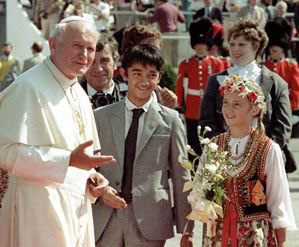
186,241
101,184
111,199
80,159
168,97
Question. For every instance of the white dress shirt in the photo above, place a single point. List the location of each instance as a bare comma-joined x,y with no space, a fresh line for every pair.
129,115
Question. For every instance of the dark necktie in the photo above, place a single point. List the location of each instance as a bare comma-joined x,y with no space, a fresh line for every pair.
130,150
208,12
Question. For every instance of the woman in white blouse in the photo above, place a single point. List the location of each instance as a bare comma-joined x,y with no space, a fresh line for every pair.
246,43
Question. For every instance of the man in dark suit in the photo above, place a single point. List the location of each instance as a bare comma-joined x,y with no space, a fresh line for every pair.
98,82
209,11
136,208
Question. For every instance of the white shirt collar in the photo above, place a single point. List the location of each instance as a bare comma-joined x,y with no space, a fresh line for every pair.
130,106
250,72
7,58
91,91
59,76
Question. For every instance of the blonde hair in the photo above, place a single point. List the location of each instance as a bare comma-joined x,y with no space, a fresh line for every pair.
253,93
260,128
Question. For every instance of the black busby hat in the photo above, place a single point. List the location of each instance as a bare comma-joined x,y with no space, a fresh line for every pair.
201,32
218,34
279,32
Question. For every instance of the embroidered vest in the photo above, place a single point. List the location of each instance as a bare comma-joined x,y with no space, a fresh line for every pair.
247,189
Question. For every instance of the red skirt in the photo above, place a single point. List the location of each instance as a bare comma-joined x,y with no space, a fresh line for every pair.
259,233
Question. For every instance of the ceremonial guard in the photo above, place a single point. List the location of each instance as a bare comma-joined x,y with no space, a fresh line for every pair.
193,76
279,32
218,51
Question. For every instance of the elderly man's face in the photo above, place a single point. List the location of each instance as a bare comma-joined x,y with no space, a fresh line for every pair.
99,76
207,2
280,10
252,2
74,54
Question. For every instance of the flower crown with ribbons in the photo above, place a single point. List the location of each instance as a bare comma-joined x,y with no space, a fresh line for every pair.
251,90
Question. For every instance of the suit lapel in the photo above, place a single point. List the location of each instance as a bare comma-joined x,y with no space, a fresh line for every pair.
117,119
151,122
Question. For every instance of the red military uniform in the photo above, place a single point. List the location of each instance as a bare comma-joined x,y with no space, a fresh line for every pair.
192,81
289,71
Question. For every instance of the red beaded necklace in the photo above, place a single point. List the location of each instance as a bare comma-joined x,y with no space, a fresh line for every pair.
243,156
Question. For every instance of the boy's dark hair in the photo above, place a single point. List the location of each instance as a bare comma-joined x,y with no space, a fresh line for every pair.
144,54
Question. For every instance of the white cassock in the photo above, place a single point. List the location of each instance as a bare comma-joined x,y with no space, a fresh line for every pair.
43,117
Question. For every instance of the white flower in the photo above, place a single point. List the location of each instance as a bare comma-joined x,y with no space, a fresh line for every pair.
213,146
187,148
223,154
191,199
206,185
198,129
200,205
207,128
205,141
212,168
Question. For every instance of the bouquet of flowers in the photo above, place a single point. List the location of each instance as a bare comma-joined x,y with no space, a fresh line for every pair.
206,186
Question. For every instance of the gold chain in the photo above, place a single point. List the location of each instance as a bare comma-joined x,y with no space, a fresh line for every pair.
76,114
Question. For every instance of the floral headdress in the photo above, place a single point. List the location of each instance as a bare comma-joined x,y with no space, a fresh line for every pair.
245,88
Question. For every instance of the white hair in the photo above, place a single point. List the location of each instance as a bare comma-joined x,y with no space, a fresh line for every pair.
60,27
282,4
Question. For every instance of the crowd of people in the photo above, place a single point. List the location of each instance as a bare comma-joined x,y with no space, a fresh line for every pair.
94,144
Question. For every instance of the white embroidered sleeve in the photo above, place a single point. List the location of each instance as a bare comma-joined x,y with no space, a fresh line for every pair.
277,191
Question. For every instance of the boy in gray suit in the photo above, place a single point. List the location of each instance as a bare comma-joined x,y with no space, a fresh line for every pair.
147,139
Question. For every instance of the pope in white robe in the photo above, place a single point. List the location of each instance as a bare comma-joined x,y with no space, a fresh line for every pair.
44,116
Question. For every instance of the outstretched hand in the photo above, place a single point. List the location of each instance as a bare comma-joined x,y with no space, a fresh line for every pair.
82,160
97,184
111,199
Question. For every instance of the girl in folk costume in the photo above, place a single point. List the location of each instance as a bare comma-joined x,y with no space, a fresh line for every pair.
257,207
193,75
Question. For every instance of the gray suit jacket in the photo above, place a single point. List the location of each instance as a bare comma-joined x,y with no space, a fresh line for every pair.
31,62
163,140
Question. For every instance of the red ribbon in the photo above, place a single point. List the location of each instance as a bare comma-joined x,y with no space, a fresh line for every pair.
230,226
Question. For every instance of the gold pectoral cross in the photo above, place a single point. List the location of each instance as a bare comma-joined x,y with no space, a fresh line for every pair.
80,123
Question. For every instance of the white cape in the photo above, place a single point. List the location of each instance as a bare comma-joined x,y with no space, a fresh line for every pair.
35,111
